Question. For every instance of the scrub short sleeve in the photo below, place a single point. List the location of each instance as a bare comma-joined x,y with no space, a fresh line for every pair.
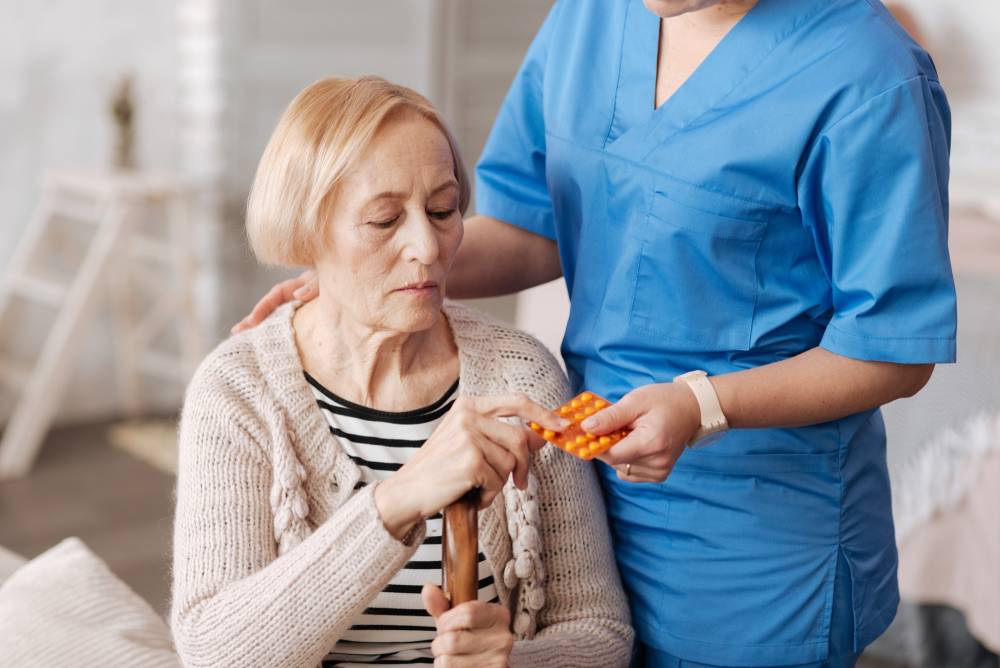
510,175
874,195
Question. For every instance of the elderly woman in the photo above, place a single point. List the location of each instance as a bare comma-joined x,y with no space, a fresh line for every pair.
318,448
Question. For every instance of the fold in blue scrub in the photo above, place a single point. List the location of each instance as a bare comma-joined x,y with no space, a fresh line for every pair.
791,194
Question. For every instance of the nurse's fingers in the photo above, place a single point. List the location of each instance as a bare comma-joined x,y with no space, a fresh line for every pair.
304,287
614,417
655,468
636,445
640,473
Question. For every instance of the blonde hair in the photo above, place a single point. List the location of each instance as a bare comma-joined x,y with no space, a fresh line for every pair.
319,137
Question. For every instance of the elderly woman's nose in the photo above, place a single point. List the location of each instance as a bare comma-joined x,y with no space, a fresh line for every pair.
422,241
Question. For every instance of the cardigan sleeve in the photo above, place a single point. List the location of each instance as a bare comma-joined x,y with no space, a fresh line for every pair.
235,601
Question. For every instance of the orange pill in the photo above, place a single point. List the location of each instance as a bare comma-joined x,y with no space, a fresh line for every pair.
604,440
564,410
535,426
579,416
548,434
590,410
600,403
586,396
575,403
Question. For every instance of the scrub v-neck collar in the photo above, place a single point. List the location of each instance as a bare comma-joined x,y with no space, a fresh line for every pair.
637,128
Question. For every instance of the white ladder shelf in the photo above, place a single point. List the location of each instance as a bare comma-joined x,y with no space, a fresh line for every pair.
110,204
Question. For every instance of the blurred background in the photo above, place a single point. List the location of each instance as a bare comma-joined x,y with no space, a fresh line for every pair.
131,132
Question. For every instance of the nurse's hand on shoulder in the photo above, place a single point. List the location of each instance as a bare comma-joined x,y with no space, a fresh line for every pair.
303,287
663,419
474,634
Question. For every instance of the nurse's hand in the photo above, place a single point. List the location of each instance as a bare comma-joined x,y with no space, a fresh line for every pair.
663,419
304,288
474,634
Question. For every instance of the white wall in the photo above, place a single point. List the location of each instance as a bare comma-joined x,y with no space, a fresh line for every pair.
60,62
962,38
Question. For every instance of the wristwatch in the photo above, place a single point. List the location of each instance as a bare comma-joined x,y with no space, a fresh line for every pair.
713,420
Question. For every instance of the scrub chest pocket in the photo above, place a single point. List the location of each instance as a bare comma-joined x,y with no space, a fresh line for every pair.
696,283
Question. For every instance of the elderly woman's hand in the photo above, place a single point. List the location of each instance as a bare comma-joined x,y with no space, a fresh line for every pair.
470,448
474,634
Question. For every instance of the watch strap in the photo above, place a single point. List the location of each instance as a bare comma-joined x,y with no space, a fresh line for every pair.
713,420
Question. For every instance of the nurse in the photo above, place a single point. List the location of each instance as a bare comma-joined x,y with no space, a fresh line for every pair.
748,202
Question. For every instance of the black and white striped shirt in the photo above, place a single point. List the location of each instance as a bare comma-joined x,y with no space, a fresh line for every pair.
395,629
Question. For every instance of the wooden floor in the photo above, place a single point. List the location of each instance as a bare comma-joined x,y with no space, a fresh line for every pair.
119,506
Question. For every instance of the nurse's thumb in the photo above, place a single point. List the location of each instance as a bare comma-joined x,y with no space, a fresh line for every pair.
612,418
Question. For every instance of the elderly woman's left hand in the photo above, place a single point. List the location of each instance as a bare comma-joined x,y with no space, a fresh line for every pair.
474,634
663,419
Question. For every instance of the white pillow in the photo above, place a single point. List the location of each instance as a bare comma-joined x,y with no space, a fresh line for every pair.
66,608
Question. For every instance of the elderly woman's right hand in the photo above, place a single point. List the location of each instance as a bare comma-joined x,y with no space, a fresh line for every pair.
470,448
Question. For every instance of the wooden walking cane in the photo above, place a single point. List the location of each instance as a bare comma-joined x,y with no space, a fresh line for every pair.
460,549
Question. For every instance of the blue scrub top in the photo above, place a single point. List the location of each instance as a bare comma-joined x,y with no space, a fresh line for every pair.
791,194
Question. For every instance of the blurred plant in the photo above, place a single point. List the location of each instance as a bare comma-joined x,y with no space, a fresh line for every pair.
123,112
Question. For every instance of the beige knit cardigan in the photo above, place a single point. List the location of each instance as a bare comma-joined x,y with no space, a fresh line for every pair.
276,553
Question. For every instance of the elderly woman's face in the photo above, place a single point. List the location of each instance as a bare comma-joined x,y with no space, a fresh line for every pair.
394,228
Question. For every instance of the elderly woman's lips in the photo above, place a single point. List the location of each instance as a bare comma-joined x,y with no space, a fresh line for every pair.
419,288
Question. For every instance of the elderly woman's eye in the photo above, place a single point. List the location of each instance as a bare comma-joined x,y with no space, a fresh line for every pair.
442,214
384,224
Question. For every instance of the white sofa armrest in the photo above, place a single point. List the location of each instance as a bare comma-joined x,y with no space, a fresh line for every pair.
9,562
